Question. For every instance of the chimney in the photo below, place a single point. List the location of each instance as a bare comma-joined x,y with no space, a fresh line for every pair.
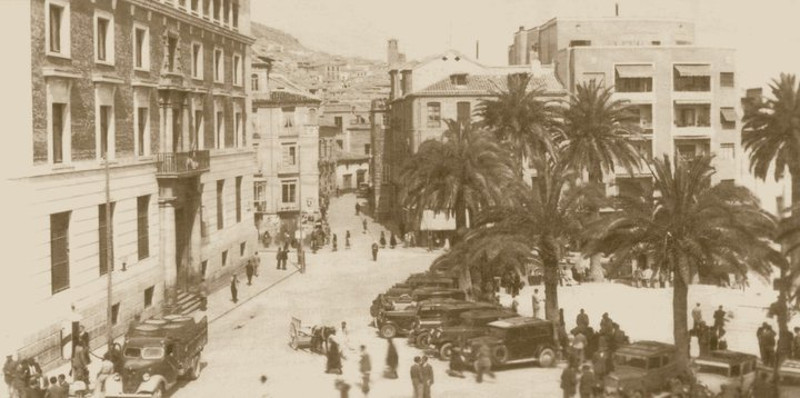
477,50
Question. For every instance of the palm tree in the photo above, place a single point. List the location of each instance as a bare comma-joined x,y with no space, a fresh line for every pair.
541,220
520,116
599,132
464,171
689,227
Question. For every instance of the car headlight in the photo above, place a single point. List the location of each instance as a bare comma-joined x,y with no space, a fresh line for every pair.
146,376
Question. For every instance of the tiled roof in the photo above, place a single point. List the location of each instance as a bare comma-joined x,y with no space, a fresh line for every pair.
286,97
353,157
486,85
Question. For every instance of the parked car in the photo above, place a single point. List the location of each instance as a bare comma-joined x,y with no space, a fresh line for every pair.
400,322
726,370
641,368
433,316
517,339
789,377
392,301
471,324
157,354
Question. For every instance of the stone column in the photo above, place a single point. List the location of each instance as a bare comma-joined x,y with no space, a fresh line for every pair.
195,237
162,131
169,119
187,131
166,225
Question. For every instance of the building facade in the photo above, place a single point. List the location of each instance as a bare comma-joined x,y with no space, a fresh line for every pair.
378,118
286,138
154,91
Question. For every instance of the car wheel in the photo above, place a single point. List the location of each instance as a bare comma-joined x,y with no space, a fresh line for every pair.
388,331
194,374
423,340
445,351
159,392
500,354
547,358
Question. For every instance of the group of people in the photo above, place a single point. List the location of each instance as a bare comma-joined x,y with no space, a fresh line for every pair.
709,338
24,379
647,277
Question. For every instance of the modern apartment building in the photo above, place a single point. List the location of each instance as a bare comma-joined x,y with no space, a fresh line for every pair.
286,138
154,90
424,94
685,94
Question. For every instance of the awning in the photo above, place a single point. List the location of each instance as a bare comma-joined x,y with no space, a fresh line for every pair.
693,70
696,101
634,71
728,115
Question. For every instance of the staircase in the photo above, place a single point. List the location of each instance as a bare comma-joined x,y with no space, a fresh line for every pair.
187,302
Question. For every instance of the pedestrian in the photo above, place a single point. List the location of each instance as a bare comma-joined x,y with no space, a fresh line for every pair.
248,271
365,367
647,274
579,343
358,208
600,361
106,370
391,361
392,241
279,257
588,381
537,304
80,363
115,354
203,294
427,377
374,251
342,387
383,240
483,365
697,316
234,289
719,318
762,347
62,382
83,339
347,240
284,258
722,341
568,381
416,378
266,239
456,365
54,390
364,224
9,368
582,320
515,305
334,242
256,263
796,343
517,281
606,325
334,356
703,339
769,344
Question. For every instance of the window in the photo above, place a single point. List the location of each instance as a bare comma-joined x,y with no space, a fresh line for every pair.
57,26
104,38
220,208
692,77
141,48
728,117
197,60
289,155
463,114
580,43
237,65
726,79
198,128
242,249
434,114
105,229
143,226
288,191
237,130
172,53
226,7
692,115
206,8
238,199
235,14
366,149
337,120
58,132
288,116
217,6
115,314
254,82
220,133
59,252
459,79
727,151
224,258
148,296
105,126
142,128
218,66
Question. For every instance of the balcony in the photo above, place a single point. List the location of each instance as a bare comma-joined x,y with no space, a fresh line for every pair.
182,164
288,207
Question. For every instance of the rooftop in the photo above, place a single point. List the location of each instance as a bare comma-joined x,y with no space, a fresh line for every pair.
645,348
487,85
518,321
728,357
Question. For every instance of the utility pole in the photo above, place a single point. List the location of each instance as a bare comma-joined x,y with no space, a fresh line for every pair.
109,254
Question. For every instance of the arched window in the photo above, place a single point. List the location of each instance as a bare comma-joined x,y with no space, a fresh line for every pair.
254,82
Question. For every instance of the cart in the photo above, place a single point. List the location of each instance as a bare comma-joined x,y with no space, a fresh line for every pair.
303,337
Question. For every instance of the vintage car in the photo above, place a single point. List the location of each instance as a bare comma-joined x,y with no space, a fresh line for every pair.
469,325
402,295
400,322
641,368
789,378
432,316
156,354
516,339
726,370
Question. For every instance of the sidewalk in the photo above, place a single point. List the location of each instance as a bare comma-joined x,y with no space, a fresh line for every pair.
219,303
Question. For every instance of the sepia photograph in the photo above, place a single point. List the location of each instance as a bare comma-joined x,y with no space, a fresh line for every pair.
400,199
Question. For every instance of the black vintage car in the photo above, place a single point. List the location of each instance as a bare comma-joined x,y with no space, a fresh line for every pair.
517,339
433,316
470,324
402,321
389,303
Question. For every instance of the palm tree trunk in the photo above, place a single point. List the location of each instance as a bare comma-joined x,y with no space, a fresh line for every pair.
680,327
550,263
595,261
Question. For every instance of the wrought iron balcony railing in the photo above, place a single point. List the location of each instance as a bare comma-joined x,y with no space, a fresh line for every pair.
182,164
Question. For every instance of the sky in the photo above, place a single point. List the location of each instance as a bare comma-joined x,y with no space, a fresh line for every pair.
764,32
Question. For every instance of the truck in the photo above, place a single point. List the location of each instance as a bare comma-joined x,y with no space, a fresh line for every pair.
157,353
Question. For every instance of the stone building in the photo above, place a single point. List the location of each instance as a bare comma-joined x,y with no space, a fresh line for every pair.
379,127
286,138
157,89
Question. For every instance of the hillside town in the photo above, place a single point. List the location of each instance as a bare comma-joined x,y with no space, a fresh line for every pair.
203,206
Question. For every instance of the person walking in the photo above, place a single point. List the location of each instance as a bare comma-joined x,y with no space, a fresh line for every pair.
248,271
80,363
203,294
582,320
515,305
383,240
364,224
374,251
365,367
427,377
456,368
704,338
568,381
579,343
536,301
697,316
769,345
588,381
335,242
284,258
347,240
392,241
392,360
719,318
358,208
279,256
234,289
55,390
334,356
106,370
483,365
256,263
9,368
416,378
